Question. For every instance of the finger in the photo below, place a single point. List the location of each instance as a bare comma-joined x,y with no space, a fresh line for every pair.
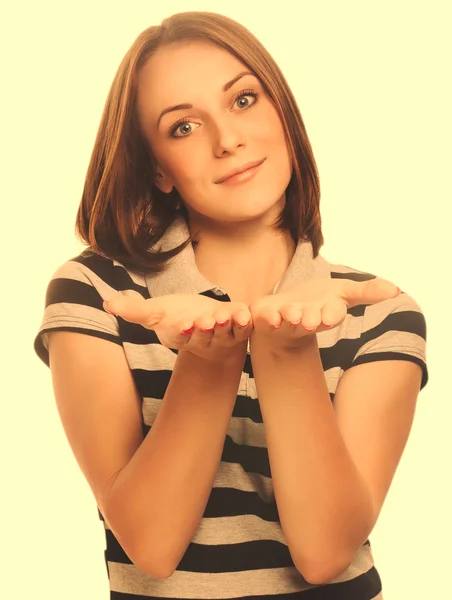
203,331
135,309
333,313
369,292
222,316
291,313
312,317
241,332
171,332
241,324
183,326
223,324
270,316
241,316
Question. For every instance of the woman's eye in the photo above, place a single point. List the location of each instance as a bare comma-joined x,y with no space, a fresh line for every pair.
253,94
180,125
183,123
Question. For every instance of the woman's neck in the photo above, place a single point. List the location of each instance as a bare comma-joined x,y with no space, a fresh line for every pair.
245,268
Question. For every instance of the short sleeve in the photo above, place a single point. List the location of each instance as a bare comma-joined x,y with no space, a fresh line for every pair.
394,329
74,302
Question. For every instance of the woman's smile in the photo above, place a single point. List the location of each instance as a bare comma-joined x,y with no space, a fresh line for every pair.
244,176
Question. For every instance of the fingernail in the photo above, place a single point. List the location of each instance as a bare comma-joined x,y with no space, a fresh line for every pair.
188,331
223,323
208,330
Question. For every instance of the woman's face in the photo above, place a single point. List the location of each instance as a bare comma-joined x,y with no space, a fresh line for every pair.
223,130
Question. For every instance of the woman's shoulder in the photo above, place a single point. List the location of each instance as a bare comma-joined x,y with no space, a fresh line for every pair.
341,271
403,301
99,271
395,328
75,294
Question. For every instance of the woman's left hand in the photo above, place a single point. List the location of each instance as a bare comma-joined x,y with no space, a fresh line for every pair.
312,306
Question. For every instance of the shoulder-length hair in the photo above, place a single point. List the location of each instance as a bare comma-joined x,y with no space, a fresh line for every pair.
122,213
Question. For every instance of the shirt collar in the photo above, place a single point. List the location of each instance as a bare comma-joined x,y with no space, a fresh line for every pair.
181,274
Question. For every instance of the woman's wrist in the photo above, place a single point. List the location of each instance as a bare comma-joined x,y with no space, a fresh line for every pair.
231,357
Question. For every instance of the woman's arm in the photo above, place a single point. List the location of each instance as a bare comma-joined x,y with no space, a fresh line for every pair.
324,505
161,495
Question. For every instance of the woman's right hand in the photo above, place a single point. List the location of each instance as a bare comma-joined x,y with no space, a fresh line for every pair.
170,315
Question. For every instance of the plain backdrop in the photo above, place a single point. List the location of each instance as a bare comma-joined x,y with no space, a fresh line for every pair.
373,84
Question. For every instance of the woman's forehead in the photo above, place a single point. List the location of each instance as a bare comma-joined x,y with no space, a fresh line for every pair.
185,74
175,65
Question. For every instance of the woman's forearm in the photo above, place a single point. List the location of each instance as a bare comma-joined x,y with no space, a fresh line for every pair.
323,503
161,495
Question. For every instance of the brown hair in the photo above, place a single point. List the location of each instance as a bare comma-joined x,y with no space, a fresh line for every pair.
122,212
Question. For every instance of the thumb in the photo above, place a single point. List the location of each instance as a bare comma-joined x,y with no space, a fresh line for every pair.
371,291
135,309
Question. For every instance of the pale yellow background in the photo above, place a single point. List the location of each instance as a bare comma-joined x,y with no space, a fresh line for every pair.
373,84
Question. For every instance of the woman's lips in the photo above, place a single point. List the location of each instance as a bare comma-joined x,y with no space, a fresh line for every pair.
242,177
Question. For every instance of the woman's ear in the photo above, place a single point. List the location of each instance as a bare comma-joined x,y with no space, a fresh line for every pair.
163,183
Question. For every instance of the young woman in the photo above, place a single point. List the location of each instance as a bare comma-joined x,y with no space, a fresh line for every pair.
240,405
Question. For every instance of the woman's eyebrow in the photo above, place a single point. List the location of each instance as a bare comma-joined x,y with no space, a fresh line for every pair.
225,88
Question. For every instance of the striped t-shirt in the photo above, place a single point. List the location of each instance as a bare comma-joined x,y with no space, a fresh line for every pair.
239,549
